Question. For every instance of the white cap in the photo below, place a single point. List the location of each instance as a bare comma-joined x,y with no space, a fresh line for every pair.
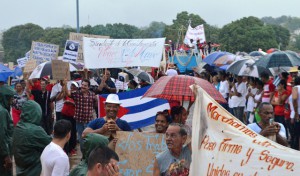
113,98
75,83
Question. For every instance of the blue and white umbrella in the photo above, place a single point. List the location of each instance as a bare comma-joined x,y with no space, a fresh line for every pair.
5,72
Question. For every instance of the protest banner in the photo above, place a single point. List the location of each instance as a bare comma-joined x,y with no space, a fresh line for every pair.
71,51
223,145
196,33
43,52
22,62
78,37
114,53
60,70
30,66
137,152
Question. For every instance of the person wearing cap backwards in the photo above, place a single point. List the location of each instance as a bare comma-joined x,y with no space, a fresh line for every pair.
6,130
109,124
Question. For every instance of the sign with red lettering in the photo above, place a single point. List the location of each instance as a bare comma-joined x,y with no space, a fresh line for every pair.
223,145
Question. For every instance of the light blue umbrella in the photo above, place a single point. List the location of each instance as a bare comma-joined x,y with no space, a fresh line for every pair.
210,59
5,72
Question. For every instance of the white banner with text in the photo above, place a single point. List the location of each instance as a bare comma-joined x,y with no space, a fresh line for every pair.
223,145
113,53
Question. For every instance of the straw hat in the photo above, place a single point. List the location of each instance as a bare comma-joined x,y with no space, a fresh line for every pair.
294,69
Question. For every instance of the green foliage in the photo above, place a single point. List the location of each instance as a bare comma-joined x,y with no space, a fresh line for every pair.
291,23
56,36
154,30
282,36
17,40
247,34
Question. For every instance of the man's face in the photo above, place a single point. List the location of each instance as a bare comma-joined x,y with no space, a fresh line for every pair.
173,139
19,88
111,110
43,85
266,113
107,74
102,170
84,86
161,123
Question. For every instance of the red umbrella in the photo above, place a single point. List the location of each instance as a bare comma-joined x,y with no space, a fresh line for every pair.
177,88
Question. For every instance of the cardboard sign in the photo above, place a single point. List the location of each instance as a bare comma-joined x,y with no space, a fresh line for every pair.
22,62
114,53
43,52
60,70
78,37
71,51
137,152
30,66
223,145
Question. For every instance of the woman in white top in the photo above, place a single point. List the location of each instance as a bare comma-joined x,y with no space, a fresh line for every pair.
296,106
250,99
257,96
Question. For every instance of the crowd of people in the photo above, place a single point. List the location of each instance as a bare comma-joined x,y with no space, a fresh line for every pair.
48,120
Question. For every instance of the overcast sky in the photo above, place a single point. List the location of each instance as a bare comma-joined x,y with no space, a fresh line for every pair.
55,13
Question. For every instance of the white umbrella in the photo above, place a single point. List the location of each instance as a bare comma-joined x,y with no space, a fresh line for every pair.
45,69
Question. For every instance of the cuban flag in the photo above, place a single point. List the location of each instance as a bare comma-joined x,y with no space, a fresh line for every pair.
137,111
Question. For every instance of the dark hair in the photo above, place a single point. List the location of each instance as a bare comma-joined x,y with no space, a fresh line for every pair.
285,75
134,83
87,81
62,128
259,82
182,130
283,82
264,75
297,81
261,105
176,110
164,113
17,84
102,155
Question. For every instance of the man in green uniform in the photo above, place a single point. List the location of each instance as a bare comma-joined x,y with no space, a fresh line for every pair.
6,130
29,140
90,142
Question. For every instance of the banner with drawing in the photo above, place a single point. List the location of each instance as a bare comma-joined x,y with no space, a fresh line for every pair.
113,53
196,33
223,145
137,152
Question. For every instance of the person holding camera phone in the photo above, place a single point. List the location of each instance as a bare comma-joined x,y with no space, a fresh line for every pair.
109,124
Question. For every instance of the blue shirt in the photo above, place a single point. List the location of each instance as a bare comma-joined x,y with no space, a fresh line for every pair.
99,122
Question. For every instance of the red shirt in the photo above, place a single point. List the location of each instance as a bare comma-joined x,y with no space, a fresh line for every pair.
268,89
279,109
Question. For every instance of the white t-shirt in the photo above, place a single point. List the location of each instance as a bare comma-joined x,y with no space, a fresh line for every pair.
250,102
239,101
256,128
224,88
56,89
171,72
55,161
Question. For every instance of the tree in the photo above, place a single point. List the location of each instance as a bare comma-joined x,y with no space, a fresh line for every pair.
247,34
17,40
282,36
154,30
57,36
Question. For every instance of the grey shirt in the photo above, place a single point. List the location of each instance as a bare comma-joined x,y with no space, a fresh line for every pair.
165,159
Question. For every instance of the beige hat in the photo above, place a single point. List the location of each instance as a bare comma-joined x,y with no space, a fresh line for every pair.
294,69
113,98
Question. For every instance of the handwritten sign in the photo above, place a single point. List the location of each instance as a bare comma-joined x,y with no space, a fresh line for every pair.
71,51
223,145
137,152
60,70
78,37
113,53
43,52
22,62
30,66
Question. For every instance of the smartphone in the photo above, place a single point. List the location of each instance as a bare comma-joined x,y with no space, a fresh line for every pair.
271,121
